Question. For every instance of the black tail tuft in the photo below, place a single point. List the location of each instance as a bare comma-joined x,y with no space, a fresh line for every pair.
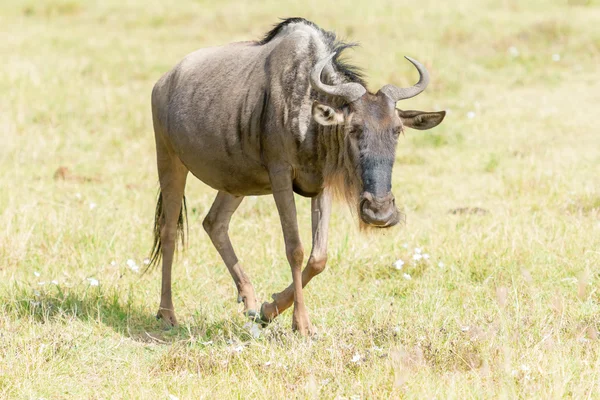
156,253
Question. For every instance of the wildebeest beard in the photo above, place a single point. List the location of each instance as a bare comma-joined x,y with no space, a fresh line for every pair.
344,170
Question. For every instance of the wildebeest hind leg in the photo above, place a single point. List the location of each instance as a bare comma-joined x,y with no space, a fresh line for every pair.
172,176
320,212
216,225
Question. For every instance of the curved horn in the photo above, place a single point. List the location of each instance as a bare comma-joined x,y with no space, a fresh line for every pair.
395,93
349,91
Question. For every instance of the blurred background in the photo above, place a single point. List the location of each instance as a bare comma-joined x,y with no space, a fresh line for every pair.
504,195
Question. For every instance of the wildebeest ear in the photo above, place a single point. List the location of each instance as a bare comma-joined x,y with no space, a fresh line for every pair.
325,115
420,119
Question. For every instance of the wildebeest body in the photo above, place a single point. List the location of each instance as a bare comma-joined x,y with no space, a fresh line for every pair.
278,116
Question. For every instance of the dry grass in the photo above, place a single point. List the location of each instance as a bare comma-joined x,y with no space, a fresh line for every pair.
506,306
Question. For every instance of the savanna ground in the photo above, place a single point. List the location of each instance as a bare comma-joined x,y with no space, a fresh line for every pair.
506,305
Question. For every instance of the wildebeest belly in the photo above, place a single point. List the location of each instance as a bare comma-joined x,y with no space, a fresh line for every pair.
235,173
237,179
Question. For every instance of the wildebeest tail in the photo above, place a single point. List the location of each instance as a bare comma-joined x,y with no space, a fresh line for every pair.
182,225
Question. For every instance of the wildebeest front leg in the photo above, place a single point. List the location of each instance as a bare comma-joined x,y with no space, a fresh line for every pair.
281,184
320,213
216,225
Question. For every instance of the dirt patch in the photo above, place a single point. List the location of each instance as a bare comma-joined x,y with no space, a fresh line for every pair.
63,173
468,211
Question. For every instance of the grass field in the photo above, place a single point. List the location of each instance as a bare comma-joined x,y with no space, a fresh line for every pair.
506,306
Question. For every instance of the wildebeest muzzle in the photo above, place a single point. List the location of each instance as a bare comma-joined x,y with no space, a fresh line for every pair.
380,212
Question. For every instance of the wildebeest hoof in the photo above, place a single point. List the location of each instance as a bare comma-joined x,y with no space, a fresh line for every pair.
167,316
252,315
304,328
256,318
262,319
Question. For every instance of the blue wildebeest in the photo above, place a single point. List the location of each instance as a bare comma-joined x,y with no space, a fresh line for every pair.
278,116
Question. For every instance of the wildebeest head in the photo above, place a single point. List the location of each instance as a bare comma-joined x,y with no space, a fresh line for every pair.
373,123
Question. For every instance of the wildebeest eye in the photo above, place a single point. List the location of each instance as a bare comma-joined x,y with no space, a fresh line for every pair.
356,131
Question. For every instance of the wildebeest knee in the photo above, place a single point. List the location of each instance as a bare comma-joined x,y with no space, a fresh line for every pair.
316,263
213,227
208,224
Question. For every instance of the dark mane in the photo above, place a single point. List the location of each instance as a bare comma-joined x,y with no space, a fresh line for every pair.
349,71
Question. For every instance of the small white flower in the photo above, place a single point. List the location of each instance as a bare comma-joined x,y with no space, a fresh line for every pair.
405,245
92,206
267,363
113,263
78,195
556,57
355,358
238,349
465,328
398,264
41,283
397,329
146,261
93,282
513,51
471,114
407,276
253,328
524,367
417,257
441,264
325,381
376,348
418,250
426,256
132,265
210,342
173,397
37,274
55,282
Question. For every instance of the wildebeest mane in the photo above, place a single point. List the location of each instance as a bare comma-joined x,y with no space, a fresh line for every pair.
351,72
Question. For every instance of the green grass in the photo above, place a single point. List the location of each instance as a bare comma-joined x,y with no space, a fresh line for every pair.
512,312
